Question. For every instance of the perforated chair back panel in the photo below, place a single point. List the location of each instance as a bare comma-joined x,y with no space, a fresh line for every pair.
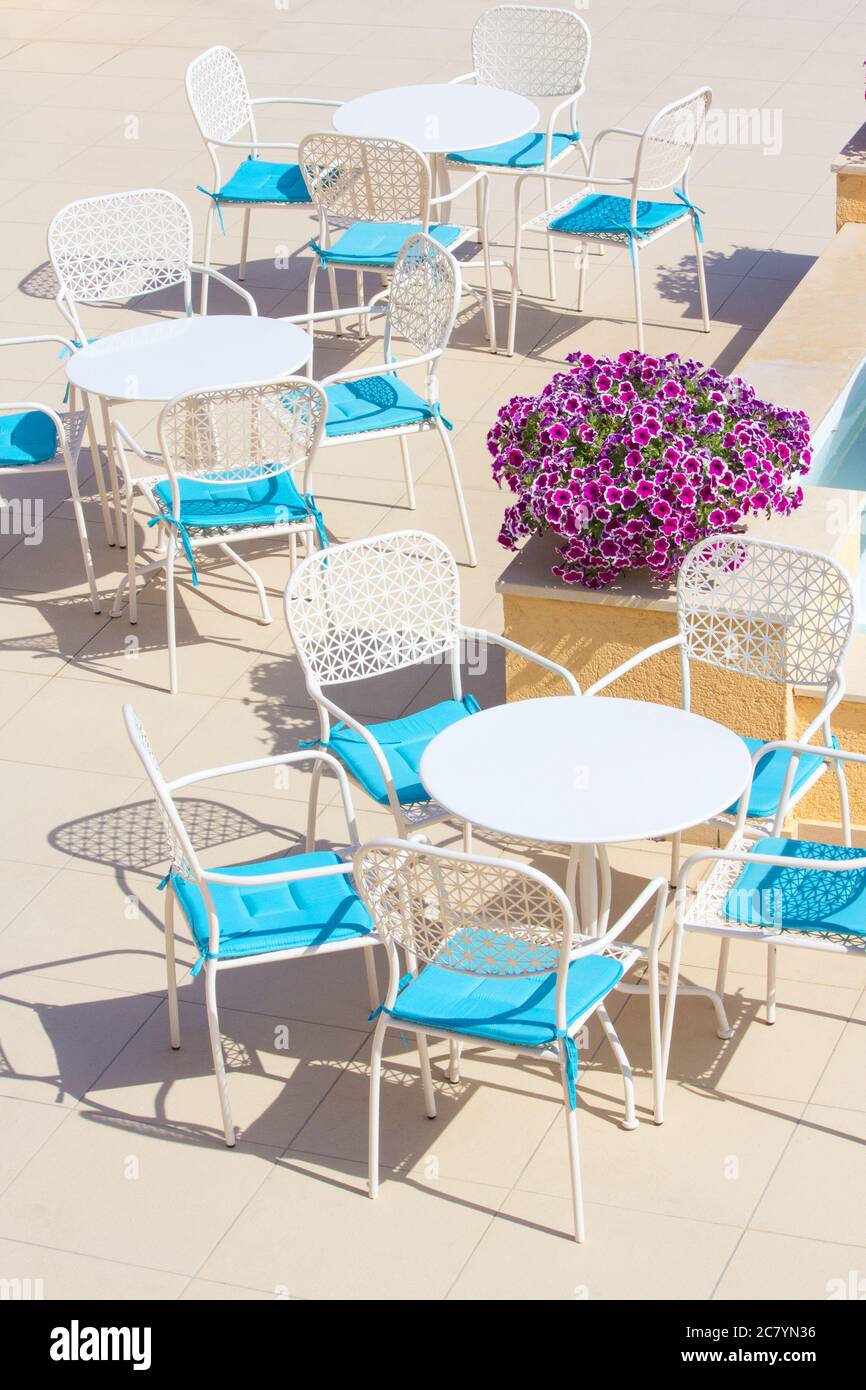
120,245
243,433
365,180
218,94
424,294
373,606
669,141
538,51
761,609
480,917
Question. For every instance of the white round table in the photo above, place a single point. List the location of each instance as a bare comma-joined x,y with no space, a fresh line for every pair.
585,771
176,356
439,117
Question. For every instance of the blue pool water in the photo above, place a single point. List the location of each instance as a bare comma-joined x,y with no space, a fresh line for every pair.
840,442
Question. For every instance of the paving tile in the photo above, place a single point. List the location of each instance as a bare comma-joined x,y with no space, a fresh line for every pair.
43,1272
774,1267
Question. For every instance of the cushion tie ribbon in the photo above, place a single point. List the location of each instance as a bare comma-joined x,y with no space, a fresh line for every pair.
315,513
570,1049
640,232
184,538
400,987
216,203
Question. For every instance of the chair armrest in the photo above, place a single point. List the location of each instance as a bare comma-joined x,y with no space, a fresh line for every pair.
40,338
324,314
453,193
464,77
296,101
224,280
667,645
254,144
745,856
304,755
507,643
264,880
656,886
369,738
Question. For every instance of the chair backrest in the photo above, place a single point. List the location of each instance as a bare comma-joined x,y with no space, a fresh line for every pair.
356,179
668,143
236,434
372,606
119,245
763,609
218,94
182,856
535,50
424,295
466,913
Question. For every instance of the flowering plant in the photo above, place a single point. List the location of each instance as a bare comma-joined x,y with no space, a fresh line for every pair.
634,459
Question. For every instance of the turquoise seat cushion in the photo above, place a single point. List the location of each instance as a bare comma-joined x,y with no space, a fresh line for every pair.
520,1011
403,742
373,403
27,437
770,777
795,899
379,243
279,916
526,152
603,214
257,181
263,502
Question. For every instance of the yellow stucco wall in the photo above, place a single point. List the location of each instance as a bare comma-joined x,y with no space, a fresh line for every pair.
850,198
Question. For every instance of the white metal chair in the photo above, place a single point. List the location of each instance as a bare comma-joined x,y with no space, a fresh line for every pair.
229,456
288,908
540,52
664,155
373,194
223,108
375,402
502,967
779,614
35,439
112,248
774,892
369,608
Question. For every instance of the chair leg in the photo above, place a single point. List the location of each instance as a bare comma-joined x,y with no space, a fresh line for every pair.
131,571
312,810
170,969
78,512
208,242
169,617
248,569
515,293
293,551
375,1089
454,1051
488,284
98,474
638,314
551,256
458,492
245,238
335,298
363,319
372,978
618,1050
213,1024
112,475
467,837
426,1077
722,971
771,984
702,279
407,472
573,1154
581,278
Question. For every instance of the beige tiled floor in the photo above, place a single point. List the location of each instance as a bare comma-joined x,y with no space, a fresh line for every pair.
114,1181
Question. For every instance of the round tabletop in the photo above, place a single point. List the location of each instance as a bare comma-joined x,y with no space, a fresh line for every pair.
177,356
439,117
585,770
